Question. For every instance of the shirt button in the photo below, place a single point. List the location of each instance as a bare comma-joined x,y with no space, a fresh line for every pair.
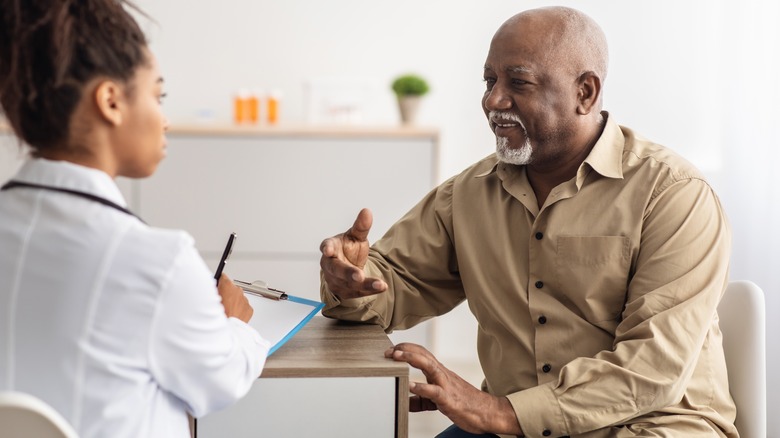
539,284
546,368
542,319
539,236
546,432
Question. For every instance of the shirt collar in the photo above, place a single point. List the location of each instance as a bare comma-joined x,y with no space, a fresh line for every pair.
66,175
491,170
606,157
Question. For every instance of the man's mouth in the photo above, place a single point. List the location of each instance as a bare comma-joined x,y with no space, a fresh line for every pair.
505,124
504,128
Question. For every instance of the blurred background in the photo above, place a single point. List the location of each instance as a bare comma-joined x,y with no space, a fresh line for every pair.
698,76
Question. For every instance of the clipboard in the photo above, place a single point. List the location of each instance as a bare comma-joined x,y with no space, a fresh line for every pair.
277,316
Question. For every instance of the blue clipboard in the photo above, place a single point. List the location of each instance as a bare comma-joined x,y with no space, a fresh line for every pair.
316,307
278,318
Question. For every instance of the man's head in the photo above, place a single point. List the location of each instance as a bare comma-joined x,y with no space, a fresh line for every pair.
544,73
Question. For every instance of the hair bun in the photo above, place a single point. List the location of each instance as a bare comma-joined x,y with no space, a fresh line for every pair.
50,49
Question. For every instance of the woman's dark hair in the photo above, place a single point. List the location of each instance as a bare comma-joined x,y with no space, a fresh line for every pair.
49,49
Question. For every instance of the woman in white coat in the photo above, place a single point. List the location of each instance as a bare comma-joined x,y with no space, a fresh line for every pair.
117,325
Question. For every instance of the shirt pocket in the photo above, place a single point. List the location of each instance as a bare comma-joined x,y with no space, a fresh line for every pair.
593,274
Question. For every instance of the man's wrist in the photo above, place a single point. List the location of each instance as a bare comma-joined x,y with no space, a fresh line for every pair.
506,421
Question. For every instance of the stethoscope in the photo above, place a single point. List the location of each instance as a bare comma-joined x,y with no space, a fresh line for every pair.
19,184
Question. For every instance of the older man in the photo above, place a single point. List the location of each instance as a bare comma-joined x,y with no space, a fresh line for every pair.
593,260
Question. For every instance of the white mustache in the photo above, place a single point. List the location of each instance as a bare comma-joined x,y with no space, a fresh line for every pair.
504,116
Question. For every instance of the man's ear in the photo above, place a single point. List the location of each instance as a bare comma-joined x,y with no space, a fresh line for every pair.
109,97
588,93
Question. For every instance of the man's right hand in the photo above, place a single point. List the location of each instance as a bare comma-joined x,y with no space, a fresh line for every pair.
343,259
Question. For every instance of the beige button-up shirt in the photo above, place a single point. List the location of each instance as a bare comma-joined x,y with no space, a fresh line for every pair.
597,313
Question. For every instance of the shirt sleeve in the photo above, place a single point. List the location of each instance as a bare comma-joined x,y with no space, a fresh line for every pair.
409,258
207,360
679,277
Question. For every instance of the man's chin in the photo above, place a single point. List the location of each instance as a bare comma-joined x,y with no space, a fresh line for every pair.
518,156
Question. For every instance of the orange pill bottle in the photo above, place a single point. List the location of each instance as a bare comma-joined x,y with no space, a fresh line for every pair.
272,104
253,107
241,107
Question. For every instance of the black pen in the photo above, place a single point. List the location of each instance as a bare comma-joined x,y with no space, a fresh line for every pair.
225,255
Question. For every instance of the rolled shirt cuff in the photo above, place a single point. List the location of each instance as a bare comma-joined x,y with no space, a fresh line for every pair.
538,412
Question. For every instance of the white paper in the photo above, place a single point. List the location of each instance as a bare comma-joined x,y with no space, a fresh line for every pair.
274,319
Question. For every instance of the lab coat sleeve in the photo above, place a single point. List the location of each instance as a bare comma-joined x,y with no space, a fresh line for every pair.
207,360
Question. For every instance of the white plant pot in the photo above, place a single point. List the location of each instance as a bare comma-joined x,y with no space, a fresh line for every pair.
408,105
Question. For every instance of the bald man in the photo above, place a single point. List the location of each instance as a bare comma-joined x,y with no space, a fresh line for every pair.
592,259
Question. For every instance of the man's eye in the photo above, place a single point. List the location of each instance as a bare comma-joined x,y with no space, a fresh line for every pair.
518,82
489,82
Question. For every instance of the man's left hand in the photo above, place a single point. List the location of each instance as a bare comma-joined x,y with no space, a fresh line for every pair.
469,408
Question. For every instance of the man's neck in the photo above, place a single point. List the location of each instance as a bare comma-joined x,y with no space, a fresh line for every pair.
543,178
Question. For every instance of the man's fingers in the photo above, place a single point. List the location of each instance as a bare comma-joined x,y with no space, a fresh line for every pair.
346,288
419,404
348,275
328,247
371,286
427,393
339,268
343,257
420,358
362,225
415,355
347,281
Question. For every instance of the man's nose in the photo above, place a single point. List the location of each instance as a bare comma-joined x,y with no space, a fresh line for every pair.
496,99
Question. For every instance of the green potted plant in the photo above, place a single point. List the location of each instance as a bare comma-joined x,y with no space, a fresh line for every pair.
409,89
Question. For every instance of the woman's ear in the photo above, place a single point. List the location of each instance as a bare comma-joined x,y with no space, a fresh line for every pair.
589,92
109,97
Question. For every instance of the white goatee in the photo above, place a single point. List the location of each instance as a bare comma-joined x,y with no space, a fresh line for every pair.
517,156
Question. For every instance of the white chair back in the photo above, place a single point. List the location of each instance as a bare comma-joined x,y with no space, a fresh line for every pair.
25,416
742,315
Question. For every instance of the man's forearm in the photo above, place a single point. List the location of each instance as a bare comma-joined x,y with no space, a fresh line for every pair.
504,419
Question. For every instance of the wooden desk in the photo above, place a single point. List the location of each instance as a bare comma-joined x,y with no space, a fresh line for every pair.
326,348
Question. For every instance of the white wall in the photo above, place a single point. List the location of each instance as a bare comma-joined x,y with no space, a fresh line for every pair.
699,76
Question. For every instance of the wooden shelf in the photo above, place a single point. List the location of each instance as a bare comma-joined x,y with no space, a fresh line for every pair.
304,130
293,130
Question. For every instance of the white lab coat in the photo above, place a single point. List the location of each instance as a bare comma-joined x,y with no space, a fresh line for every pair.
115,324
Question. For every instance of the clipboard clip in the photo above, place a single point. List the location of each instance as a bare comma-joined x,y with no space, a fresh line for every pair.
260,288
